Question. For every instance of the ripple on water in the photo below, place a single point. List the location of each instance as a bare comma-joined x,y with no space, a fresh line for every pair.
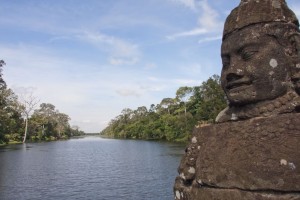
89,168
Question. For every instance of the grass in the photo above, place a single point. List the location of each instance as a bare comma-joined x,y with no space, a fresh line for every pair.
14,142
11,142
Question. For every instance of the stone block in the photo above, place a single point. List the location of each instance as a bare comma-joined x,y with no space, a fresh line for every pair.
258,158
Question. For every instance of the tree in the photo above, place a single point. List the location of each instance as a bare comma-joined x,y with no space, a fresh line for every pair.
212,99
62,121
2,82
174,118
126,115
75,131
183,94
14,108
166,103
53,123
28,103
44,115
2,102
141,111
10,117
152,108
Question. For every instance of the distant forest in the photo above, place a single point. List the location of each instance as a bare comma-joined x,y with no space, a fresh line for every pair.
174,118
21,119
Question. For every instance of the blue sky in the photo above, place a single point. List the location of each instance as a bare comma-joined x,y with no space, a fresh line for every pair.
93,58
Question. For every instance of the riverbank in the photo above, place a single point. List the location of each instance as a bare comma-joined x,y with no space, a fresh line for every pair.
10,142
178,141
47,139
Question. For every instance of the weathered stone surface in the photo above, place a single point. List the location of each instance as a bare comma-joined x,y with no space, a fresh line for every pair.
261,154
256,11
261,60
233,194
254,151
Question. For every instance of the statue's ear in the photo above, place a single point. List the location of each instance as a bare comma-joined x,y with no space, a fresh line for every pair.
295,42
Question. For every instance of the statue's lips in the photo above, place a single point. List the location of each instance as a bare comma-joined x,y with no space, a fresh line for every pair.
240,84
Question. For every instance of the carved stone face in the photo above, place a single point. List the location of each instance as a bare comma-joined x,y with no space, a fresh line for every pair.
255,67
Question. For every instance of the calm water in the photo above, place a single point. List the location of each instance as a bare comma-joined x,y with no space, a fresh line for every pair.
89,168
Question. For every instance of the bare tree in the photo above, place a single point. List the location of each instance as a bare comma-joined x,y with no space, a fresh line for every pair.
28,103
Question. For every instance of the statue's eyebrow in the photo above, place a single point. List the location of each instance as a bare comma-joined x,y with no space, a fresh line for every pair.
242,45
246,45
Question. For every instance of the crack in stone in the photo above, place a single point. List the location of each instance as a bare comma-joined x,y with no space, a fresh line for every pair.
261,191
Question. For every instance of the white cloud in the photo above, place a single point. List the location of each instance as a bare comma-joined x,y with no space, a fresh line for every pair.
188,3
154,87
58,38
142,89
151,78
209,17
159,84
75,63
192,69
186,82
121,52
208,22
196,31
128,92
98,96
123,61
150,66
209,39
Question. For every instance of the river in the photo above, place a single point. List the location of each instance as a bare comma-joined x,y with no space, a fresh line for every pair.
89,168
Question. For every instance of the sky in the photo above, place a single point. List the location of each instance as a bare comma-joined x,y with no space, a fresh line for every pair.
93,58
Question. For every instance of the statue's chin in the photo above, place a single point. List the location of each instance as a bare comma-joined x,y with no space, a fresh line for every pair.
249,94
240,102
241,95
246,100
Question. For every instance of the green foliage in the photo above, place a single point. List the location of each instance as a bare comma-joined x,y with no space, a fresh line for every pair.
209,100
2,82
174,118
10,117
46,123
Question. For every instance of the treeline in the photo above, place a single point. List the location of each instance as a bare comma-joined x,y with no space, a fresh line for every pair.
20,119
174,118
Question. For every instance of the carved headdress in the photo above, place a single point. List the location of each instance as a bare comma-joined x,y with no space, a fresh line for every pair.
251,12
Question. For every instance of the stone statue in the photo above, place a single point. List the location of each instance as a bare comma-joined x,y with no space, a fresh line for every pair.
261,65
253,152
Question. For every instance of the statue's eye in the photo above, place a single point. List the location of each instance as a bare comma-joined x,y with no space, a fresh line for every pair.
248,54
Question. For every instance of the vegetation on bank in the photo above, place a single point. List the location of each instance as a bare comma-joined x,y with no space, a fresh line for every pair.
174,118
20,117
